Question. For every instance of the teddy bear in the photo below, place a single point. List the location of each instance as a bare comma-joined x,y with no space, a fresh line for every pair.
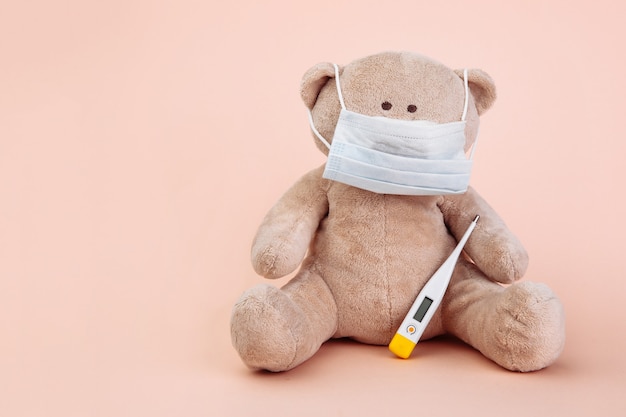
369,227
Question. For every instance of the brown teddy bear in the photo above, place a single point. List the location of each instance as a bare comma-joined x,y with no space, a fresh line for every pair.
370,227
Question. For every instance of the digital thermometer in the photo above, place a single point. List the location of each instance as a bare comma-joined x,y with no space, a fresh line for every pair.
427,302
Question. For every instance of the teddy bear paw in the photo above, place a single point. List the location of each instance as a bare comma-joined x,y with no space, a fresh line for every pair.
529,327
261,329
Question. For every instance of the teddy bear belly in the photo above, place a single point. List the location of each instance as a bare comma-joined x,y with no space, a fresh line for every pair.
376,265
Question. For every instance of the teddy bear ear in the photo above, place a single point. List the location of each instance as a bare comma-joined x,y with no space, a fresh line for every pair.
313,81
482,87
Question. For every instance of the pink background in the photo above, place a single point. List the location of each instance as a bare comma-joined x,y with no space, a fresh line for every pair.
142,142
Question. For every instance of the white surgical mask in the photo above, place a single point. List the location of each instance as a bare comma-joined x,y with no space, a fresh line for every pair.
392,156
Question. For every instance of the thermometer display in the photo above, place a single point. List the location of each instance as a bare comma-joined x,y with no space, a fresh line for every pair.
423,308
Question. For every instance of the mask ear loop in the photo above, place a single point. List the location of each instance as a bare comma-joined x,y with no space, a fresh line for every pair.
343,106
465,105
319,136
466,84
471,157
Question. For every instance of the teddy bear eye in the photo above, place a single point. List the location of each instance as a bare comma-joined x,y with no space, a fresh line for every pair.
412,108
386,105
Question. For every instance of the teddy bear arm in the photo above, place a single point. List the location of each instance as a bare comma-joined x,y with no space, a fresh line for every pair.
492,246
285,234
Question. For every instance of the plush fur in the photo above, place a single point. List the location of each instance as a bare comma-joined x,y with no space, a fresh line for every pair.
364,257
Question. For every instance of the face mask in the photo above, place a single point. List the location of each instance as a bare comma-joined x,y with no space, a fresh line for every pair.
391,156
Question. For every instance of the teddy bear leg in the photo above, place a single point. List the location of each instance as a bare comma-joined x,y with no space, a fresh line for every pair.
521,327
278,329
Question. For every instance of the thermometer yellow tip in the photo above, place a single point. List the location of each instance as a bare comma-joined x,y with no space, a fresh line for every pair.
401,346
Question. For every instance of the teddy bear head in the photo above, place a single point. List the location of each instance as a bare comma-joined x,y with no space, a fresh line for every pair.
398,85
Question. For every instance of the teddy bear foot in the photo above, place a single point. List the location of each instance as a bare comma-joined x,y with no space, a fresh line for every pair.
527,328
265,329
